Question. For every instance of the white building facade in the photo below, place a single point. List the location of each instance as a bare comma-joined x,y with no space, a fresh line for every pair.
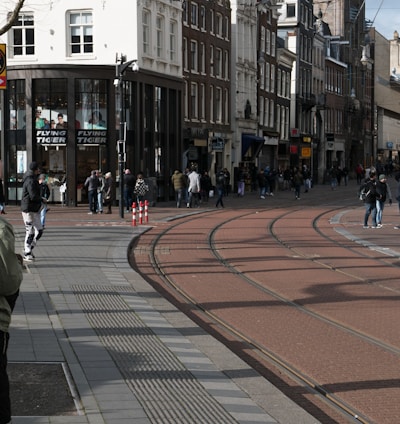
61,107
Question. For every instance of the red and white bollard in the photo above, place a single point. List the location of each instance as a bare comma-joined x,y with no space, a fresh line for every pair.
134,214
140,212
146,211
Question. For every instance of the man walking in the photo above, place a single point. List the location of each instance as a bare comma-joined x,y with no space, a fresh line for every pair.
92,184
31,203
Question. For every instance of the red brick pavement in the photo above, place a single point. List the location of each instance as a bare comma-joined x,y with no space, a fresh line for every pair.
345,283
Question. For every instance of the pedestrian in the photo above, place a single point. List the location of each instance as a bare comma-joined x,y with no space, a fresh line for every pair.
45,194
10,281
129,187
261,183
178,181
369,190
205,186
141,188
298,181
241,182
359,173
227,181
2,199
108,191
333,174
193,189
100,192
383,193
31,202
220,187
91,184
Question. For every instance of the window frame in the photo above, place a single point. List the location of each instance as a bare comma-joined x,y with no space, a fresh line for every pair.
82,26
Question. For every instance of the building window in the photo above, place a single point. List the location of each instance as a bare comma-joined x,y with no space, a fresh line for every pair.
172,41
212,71
81,32
290,10
23,36
202,114
202,18
194,15
226,108
218,63
211,110
160,36
218,25
193,56
202,58
184,54
193,101
218,104
146,31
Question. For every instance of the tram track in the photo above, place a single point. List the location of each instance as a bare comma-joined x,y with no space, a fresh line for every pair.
211,244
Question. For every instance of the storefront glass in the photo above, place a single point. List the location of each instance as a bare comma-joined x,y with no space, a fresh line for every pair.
16,154
50,123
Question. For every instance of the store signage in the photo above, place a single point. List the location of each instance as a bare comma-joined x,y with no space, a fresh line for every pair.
3,67
51,137
306,152
91,137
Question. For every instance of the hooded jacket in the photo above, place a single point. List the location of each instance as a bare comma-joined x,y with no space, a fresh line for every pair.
178,180
10,274
31,200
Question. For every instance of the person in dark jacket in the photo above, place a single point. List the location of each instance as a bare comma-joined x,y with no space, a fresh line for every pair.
383,193
31,203
92,184
369,189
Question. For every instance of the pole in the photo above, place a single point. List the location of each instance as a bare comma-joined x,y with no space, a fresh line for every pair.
121,142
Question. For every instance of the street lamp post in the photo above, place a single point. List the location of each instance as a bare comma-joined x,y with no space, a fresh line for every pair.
121,65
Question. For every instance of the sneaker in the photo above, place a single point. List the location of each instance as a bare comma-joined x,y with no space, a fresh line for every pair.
397,227
374,226
90,213
365,226
27,258
262,197
379,226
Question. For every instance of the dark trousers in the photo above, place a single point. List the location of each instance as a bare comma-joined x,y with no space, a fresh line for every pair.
92,197
5,403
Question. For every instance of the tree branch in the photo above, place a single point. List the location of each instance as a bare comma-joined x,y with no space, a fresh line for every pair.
12,17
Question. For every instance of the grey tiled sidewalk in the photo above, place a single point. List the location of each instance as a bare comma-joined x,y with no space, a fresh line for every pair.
131,356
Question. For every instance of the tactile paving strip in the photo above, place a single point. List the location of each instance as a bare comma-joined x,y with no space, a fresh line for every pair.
166,389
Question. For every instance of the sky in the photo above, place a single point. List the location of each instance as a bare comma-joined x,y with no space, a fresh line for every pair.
385,15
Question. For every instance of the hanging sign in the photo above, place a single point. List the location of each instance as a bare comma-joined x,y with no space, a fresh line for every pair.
3,67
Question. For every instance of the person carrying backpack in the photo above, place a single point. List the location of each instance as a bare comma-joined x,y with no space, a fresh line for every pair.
369,190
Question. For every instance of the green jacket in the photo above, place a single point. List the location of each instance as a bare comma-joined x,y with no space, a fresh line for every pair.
10,273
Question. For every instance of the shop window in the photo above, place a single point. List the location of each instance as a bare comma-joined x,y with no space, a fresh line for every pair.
80,32
17,105
50,104
91,104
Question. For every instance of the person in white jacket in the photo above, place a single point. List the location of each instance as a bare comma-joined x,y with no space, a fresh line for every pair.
193,189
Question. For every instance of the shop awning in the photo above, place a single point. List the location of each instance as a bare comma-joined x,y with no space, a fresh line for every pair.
251,145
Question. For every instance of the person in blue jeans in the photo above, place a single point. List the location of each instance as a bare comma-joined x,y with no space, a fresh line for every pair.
369,189
383,193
